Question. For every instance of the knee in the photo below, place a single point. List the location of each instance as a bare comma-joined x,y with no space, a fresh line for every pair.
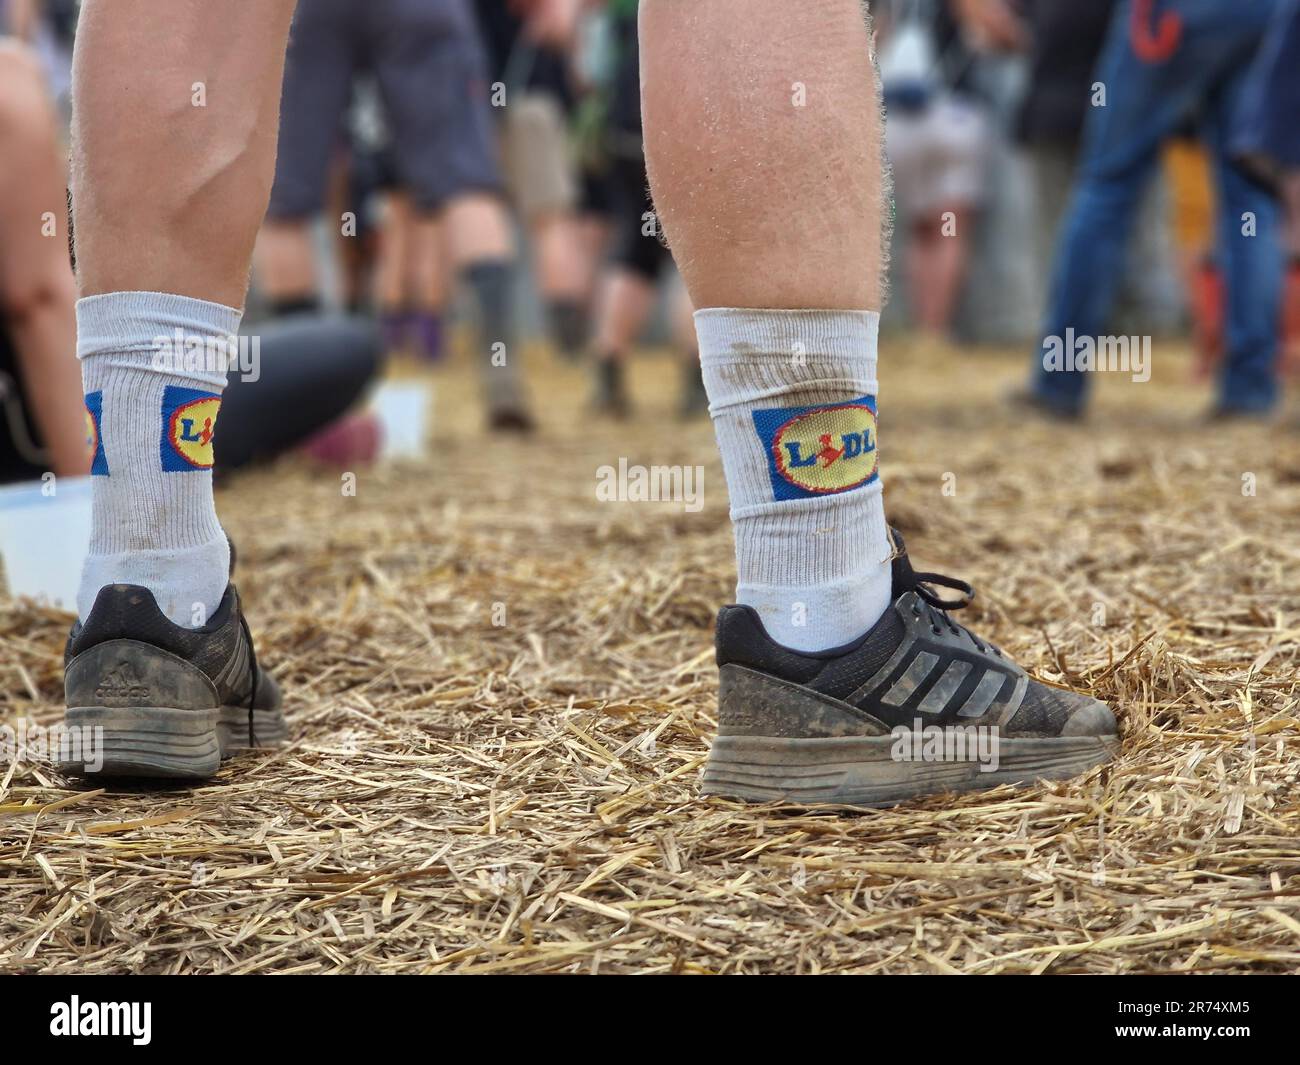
25,113
28,299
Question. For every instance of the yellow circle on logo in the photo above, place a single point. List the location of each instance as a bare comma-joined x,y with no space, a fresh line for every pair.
828,450
191,428
92,432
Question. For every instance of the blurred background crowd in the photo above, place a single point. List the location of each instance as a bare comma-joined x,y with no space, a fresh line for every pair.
469,174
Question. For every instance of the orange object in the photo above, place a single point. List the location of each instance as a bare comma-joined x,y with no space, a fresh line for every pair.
1289,359
1207,310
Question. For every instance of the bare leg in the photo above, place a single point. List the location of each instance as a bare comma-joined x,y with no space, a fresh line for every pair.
936,270
172,157
483,252
626,300
286,263
174,148
563,278
764,136
683,318
394,254
560,271
764,146
174,142
411,282
427,267
37,291
478,228
767,201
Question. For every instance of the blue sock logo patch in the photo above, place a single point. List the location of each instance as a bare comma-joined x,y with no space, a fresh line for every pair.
189,418
94,441
818,451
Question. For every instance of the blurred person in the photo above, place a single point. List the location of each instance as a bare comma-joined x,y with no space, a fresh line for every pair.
630,279
429,67
411,283
396,260
1160,64
1029,64
47,26
43,425
528,53
1268,140
391,257
266,413
1062,43
936,138
362,174
776,217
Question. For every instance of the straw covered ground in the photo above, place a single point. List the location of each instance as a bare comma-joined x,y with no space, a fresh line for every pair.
502,695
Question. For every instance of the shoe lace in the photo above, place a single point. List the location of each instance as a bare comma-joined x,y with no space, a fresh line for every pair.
933,605
252,688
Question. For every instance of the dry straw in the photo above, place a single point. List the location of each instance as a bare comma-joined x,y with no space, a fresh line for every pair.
468,796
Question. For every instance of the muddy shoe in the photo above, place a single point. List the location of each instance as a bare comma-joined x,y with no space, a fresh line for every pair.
609,398
148,698
917,706
694,400
511,420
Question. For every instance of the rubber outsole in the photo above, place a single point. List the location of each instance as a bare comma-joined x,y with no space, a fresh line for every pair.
162,742
269,729
866,771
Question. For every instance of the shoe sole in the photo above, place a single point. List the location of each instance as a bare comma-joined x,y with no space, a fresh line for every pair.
165,743
864,770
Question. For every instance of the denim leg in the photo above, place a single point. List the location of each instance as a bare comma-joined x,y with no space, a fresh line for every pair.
1145,101
1250,249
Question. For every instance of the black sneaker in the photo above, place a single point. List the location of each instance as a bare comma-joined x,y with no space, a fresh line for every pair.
148,698
1026,401
917,706
609,398
1223,414
694,401
511,420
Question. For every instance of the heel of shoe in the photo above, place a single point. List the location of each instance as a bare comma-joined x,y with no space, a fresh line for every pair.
141,741
137,710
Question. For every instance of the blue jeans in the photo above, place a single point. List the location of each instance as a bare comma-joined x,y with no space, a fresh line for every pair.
1146,102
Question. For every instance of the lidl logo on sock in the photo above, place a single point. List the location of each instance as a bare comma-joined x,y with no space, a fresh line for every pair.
95,442
816,451
188,420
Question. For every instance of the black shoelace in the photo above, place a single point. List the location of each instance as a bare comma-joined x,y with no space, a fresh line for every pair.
252,689
937,607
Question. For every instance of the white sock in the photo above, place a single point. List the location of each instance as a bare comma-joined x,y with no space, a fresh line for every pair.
812,548
153,367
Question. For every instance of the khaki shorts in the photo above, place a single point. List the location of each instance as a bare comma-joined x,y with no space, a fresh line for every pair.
539,171
938,157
